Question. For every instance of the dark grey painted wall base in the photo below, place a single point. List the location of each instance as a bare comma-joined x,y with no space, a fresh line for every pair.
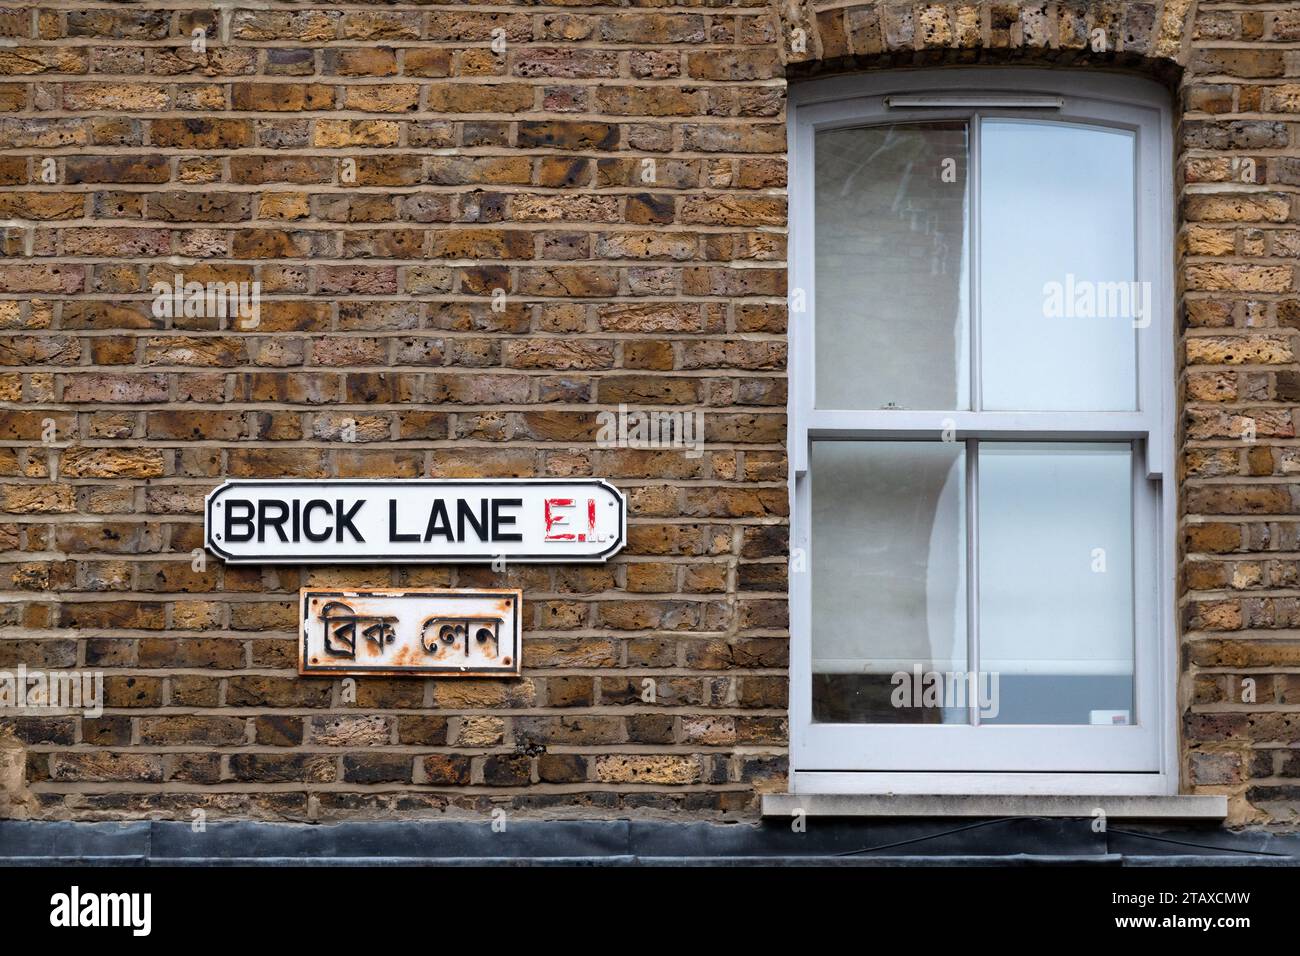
1011,841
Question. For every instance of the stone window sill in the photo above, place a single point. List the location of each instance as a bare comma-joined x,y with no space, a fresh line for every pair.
1176,807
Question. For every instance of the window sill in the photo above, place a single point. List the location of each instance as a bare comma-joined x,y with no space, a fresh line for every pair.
1210,807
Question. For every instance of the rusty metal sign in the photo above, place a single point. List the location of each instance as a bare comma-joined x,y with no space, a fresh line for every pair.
420,632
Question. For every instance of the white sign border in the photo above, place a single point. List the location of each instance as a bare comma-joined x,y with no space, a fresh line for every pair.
620,540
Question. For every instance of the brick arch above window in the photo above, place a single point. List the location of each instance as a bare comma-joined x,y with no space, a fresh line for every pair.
819,35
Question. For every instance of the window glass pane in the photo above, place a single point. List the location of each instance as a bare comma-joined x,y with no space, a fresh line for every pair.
888,579
891,269
1056,581
1058,301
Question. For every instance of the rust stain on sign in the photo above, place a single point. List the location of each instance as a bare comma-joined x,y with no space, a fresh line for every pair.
418,632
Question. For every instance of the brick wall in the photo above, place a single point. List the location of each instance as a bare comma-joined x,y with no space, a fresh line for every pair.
381,171
1241,528
619,172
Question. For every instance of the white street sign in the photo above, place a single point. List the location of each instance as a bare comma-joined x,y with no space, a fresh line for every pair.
429,520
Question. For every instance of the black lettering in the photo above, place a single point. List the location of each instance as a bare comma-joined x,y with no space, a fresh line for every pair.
266,520
393,534
243,520
499,519
314,505
344,519
439,522
479,522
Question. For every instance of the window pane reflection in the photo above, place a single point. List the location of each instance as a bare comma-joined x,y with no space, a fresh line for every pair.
1056,581
891,267
888,578
1058,300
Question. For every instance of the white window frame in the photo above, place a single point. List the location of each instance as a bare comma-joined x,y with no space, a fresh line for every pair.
825,765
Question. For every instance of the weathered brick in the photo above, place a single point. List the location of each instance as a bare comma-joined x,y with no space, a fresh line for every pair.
383,172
